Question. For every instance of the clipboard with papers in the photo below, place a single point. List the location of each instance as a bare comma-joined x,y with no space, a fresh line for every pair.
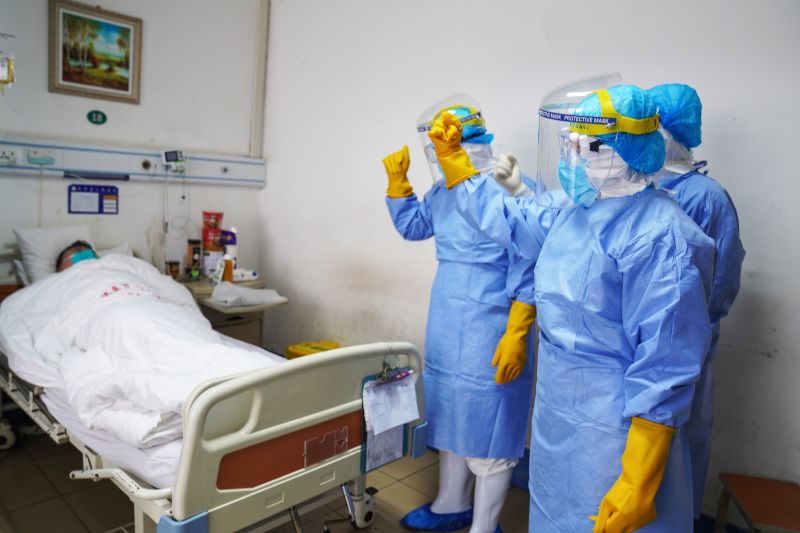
390,404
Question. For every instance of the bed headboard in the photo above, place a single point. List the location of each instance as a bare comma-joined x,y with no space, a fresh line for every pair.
8,284
8,290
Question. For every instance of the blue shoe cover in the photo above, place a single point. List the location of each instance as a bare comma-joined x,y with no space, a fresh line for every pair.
422,518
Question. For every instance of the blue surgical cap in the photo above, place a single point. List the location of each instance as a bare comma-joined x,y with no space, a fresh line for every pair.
474,129
680,111
645,152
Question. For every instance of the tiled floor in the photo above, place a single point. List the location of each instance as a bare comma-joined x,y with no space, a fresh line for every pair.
405,485
37,496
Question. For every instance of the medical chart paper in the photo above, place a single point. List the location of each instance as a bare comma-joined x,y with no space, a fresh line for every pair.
384,448
390,404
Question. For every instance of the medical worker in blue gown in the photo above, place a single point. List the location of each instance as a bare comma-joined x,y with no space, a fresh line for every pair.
710,206
622,280
478,365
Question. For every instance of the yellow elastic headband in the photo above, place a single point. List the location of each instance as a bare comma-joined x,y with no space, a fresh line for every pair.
474,116
621,124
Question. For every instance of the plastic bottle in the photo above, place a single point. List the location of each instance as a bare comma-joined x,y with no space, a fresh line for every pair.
227,274
232,248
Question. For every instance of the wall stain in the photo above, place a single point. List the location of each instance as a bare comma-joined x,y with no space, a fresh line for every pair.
769,354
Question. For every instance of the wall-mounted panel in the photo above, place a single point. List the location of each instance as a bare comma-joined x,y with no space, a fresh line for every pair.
29,157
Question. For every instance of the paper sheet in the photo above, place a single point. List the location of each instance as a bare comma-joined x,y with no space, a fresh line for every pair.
384,448
84,202
390,405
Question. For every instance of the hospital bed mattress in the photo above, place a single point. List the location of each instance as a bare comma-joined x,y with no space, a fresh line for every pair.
156,465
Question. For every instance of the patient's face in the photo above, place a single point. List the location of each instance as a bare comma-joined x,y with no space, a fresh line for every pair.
74,255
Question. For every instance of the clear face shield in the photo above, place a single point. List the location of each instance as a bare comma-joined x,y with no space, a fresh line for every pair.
475,140
571,164
586,146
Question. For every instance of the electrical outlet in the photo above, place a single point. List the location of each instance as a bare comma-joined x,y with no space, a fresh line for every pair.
10,155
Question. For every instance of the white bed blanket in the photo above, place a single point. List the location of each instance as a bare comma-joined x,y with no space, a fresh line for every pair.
126,343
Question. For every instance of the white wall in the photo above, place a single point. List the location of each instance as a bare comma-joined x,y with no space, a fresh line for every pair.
346,81
198,65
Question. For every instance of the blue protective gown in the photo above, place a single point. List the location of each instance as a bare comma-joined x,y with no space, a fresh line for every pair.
622,293
708,204
467,411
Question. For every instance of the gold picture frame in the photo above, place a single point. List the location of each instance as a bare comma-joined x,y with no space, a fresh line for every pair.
94,53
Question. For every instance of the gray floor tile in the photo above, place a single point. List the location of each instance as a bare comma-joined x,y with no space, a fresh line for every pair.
313,521
102,507
51,515
57,468
15,455
39,446
23,484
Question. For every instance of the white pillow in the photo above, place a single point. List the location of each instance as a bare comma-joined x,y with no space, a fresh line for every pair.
124,249
21,274
40,247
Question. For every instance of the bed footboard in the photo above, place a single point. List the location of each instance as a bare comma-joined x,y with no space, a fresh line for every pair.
260,443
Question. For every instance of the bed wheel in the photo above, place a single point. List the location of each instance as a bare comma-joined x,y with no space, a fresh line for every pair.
364,511
7,437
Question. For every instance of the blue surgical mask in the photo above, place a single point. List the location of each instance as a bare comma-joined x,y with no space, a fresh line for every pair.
576,184
82,256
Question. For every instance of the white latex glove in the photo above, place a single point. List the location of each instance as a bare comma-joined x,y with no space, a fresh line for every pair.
508,176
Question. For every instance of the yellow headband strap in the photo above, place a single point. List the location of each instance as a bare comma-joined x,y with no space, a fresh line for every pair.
474,115
635,126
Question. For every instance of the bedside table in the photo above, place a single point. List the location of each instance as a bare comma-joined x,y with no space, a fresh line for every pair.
243,323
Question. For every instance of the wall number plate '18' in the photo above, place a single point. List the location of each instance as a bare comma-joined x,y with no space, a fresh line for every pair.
97,117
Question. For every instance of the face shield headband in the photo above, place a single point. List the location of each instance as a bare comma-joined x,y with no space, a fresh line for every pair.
609,122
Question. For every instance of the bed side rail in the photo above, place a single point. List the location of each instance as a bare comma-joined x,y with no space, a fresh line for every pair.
303,416
27,397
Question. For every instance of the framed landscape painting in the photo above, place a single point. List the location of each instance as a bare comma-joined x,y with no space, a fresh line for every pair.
94,53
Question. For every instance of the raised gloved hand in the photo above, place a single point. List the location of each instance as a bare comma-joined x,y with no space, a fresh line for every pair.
511,352
630,504
396,165
446,136
509,177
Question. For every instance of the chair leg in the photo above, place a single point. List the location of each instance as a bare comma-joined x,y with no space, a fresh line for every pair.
722,513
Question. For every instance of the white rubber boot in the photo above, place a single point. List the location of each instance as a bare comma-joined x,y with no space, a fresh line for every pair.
490,495
456,483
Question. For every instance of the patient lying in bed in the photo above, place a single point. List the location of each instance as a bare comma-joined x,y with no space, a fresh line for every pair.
127,343
74,253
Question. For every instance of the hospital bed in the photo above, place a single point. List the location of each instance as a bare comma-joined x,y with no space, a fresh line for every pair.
258,449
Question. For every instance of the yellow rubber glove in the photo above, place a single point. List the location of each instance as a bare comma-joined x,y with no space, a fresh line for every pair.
396,165
446,136
630,504
511,352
